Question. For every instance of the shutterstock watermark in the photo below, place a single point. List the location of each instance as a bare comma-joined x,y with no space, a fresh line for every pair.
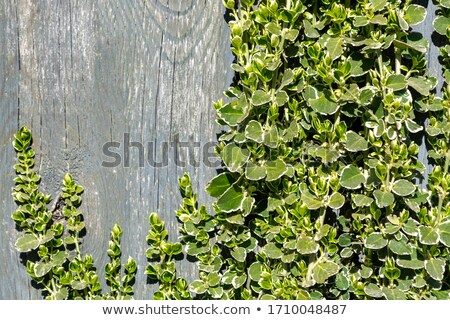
129,153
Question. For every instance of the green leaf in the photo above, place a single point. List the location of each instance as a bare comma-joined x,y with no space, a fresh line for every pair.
219,184
428,235
272,251
254,172
270,137
41,269
324,270
444,233
410,227
379,19
281,98
354,142
396,82
61,294
375,241
254,131
359,65
231,200
335,47
255,270
239,281
79,284
235,157
377,5
445,3
198,287
233,113
383,199
361,200
413,126
393,294
435,268
403,188
421,84
311,201
59,258
399,247
415,14
238,253
288,78
27,243
345,240
213,279
216,292
414,264
441,25
260,97
342,280
366,95
351,177
337,200
306,245
372,290
310,31
323,105
327,154
275,169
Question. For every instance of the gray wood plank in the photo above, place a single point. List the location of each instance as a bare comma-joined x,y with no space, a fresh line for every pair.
91,72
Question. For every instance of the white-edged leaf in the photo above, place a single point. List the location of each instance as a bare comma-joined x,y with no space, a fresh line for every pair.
441,25
403,187
231,200
260,97
435,268
415,14
254,172
311,201
254,131
354,142
27,242
375,241
198,287
323,105
372,290
444,233
235,157
412,126
324,270
42,268
361,200
275,169
428,235
383,198
272,251
352,177
336,201
219,184
396,82
306,245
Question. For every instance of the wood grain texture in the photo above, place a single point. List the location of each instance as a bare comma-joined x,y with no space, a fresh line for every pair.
84,73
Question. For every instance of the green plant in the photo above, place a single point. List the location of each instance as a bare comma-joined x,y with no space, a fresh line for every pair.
319,195
320,198
51,238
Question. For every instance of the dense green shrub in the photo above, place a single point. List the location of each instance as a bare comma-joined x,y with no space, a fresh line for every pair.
319,198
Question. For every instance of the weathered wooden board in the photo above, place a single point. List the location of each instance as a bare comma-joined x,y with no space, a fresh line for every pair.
84,73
